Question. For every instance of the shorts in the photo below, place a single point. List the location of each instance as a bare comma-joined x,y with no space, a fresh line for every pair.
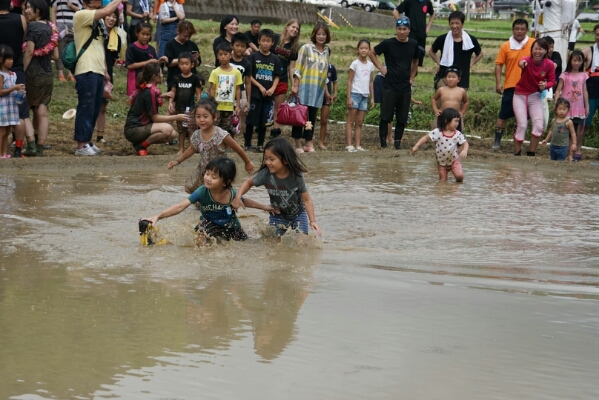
260,113
298,224
593,106
39,89
571,46
225,121
359,102
24,106
558,153
378,88
507,110
138,134
281,88
455,168
395,102
210,229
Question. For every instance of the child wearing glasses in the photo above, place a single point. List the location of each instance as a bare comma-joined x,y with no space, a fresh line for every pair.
450,96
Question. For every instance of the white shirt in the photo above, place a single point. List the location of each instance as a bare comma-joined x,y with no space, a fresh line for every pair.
362,77
574,32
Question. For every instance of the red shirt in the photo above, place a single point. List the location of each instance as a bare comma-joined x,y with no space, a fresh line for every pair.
532,74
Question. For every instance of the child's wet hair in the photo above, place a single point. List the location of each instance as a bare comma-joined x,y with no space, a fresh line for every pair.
225,168
147,73
186,55
562,102
577,54
446,117
6,53
283,150
141,25
209,104
363,41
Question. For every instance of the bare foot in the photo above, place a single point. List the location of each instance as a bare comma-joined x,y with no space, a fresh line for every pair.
322,146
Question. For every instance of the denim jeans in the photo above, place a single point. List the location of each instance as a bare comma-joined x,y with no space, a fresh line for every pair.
558,153
90,92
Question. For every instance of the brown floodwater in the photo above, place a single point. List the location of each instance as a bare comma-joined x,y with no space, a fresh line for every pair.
417,290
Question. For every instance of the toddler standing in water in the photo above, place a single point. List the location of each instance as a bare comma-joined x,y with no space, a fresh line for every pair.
447,142
209,142
282,175
9,110
572,86
562,132
359,88
218,219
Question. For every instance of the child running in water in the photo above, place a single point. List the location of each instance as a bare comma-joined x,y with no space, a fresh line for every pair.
209,141
282,175
9,110
562,131
359,88
139,54
218,219
572,86
451,96
447,142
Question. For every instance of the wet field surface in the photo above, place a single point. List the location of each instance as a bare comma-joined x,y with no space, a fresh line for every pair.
417,290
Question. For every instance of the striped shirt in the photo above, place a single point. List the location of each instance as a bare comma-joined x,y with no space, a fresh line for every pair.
64,13
311,68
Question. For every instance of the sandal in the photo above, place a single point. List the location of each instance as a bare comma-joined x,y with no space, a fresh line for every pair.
577,157
308,149
360,148
6,156
350,149
299,150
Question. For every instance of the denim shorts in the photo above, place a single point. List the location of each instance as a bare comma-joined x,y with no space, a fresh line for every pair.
558,153
359,101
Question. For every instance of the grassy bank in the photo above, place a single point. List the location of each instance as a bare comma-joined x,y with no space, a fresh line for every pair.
480,119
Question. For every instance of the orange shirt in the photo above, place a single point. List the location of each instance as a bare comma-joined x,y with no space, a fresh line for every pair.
158,3
510,59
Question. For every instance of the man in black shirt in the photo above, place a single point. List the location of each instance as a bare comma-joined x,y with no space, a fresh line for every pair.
460,54
252,35
416,11
401,59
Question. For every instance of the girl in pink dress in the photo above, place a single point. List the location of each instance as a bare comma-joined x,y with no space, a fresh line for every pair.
572,87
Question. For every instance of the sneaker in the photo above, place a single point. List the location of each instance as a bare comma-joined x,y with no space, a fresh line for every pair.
250,148
259,149
140,150
360,148
85,151
46,146
350,149
95,148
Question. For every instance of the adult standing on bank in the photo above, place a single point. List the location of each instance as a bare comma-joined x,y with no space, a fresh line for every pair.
229,26
62,16
90,73
139,10
309,82
171,13
591,56
285,47
401,60
416,11
457,48
510,53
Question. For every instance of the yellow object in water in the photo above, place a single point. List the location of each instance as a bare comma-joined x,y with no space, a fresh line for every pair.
148,234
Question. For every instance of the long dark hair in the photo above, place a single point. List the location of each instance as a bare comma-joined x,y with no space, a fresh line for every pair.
283,150
227,19
146,74
575,53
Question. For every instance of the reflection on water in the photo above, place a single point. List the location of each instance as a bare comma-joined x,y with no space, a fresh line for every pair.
487,289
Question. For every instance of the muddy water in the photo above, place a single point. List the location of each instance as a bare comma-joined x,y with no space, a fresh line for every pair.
418,290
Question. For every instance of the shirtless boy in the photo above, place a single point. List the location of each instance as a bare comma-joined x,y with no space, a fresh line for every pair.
451,96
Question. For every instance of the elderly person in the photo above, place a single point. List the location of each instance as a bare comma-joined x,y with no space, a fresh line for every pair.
538,73
457,48
309,82
90,73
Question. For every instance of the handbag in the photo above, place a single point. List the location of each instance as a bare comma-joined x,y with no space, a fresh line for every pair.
293,114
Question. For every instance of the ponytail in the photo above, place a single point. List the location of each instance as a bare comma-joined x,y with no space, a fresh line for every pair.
145,76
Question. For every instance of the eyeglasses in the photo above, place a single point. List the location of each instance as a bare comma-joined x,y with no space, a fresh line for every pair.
403,22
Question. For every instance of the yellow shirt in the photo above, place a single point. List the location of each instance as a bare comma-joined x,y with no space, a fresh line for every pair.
226,83
92,59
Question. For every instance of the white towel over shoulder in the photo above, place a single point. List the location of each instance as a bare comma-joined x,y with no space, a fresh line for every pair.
447,56
595,61
516,45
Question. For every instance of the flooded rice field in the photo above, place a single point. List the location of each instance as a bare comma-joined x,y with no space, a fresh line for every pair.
417,290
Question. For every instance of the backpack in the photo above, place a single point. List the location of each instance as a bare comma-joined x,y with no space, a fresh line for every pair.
69,54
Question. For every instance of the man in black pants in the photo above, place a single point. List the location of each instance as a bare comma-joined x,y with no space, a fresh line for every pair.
401,59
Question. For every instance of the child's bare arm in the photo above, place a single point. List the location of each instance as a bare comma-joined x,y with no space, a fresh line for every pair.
310,211
271,91
248,88
420,142
464,150
434,99
169,212
258,86
548,138
212,90
350,79
254,204
585,94
558,89
237,99
232,144
198,93
243,189
190,151
465,103
570,126
334,94
171,100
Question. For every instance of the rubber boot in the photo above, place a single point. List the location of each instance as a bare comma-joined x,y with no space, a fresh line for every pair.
275,132
383,141
498,136
40,151
30,150
530,153
397,144
18,147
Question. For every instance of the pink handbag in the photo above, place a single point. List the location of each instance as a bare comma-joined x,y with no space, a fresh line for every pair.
293,114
